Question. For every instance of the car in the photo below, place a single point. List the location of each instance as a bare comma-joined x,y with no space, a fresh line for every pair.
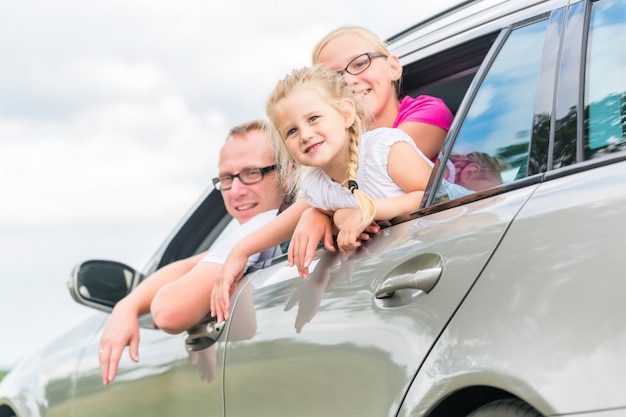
503,295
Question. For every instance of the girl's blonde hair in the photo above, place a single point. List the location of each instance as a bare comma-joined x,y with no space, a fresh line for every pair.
333,89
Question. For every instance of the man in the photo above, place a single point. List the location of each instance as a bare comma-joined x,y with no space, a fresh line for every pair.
252,194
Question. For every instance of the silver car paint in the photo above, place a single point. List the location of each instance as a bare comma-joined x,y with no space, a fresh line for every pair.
304,354
557,284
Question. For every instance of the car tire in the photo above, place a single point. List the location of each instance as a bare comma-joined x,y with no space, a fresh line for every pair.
505,408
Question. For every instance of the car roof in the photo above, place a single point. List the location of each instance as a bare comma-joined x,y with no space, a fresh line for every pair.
466,20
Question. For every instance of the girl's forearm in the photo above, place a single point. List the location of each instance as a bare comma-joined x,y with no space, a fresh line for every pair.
273,233
388,208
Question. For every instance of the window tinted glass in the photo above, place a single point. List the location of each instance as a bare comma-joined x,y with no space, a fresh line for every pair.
605,84
492,145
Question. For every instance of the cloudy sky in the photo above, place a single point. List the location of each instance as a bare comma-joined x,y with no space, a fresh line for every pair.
111,115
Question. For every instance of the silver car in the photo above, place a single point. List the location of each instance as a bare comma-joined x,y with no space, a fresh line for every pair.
504,295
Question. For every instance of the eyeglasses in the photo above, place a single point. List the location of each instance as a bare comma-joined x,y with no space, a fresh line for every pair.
248,176
361,63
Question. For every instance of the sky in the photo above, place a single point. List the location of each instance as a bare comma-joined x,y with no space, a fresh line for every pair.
111,117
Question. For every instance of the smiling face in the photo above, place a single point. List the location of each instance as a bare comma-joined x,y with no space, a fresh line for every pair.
316,133
374,87
249,150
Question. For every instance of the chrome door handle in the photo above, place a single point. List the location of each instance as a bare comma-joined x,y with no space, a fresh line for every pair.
424,280
203,336
421,273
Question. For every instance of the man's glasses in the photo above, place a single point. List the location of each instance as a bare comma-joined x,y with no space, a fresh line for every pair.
248,176
361,63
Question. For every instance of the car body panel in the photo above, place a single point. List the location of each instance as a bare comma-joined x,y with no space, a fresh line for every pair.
556,276
43,384
164,382
302,336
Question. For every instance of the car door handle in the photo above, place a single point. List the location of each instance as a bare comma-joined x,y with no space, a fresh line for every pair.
421,273
203,336
424,279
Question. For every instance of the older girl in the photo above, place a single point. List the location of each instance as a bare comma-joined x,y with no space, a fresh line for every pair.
374,74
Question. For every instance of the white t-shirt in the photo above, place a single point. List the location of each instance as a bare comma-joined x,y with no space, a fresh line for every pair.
220,251
372,177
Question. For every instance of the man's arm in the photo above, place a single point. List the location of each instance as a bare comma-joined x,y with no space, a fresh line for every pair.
122,328
181,304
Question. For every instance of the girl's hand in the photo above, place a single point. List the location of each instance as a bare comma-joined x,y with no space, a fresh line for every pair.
231,271
313,227
348,221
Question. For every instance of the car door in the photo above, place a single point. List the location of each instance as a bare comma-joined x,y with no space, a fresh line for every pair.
167,380
349,339
553,333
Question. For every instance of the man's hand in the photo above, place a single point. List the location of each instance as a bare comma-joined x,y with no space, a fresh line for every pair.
122,330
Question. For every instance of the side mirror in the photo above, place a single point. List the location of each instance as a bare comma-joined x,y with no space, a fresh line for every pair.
101,284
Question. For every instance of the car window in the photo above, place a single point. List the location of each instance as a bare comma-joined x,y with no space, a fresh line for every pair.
492,144
232,225
605,80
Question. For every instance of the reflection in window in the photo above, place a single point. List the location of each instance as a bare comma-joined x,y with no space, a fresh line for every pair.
495,135
605,86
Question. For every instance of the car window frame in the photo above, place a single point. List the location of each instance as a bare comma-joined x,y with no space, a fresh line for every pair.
429,204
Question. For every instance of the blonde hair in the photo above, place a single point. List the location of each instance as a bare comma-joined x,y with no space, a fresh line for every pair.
333,89
243,128
378,45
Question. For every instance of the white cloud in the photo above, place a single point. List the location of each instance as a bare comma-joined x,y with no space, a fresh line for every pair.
111,162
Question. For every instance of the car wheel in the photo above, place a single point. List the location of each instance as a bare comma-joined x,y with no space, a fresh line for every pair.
505,408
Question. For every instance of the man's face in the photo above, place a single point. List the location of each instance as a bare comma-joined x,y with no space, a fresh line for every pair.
252,150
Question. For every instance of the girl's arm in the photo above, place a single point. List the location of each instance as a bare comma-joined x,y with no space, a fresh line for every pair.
428,138
413,182
275,232
271,234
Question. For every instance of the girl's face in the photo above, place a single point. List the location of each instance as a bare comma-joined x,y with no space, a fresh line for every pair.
314,132
374,86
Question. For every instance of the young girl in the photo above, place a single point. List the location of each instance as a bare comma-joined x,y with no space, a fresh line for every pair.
374,73
318,126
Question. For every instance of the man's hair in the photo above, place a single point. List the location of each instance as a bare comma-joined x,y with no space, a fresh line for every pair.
243,128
